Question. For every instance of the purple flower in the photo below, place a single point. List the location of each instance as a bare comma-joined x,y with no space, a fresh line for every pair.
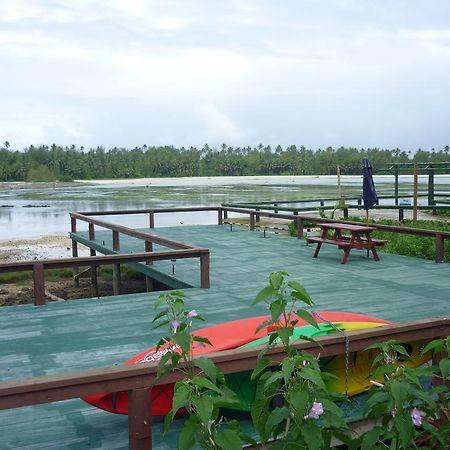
376,383
416,416
316,411
175,324
192,314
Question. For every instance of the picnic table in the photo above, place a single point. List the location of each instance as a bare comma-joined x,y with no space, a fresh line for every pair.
346,237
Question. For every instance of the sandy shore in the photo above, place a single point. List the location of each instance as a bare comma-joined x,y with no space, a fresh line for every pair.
45,247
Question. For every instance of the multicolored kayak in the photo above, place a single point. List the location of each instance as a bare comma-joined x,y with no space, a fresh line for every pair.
228,336
240,333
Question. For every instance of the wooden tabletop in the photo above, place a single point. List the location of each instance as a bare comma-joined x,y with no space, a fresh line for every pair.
345,226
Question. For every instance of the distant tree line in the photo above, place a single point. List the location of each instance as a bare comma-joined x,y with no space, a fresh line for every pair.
51,163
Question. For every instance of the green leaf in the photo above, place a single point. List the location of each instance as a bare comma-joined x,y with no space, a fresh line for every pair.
203,407
312,375
378,397
183,339
274,377
307,317
276,280
285,334
277,416
263,294
207,366
399,391
202,339
299,400
186,440
203,382
444,366
228,439
160,314
299,292
276,309
261,365
405,428
371,438
180,398
312,435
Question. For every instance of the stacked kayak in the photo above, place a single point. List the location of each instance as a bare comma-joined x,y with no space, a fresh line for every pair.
352,373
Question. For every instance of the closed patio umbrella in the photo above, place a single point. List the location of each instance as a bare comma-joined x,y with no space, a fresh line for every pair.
369,193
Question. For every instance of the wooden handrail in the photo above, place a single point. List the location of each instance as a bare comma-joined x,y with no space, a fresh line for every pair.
138,378
39,266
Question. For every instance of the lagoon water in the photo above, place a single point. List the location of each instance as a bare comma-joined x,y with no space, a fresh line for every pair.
31,210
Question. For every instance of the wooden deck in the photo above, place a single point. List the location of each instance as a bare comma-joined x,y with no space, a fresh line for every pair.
76,335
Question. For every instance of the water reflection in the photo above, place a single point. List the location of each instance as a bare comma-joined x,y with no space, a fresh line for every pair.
19,221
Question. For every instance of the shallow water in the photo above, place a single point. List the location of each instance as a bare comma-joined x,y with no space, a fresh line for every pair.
30,210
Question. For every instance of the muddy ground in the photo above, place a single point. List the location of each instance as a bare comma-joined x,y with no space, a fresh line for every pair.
63,289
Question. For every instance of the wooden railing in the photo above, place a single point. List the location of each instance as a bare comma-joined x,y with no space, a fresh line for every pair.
300,220
39,266
138,379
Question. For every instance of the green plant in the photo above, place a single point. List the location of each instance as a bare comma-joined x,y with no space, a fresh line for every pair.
405,414
202,391
292,405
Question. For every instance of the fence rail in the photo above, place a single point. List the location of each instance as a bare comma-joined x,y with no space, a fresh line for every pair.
137,379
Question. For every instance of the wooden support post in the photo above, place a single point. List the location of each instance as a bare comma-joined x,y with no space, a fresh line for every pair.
401,214
299,226
91,232
415,189
204,270
252,221
439,248
345,213
152,219
39,284
116,241
139,419
219,216
258,217
396,185
73,224
275,210
116,279
148,280
116,267
76,281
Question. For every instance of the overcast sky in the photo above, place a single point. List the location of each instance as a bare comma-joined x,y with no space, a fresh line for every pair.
361,73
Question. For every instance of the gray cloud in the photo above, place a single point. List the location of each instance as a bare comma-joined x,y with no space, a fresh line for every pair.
125,72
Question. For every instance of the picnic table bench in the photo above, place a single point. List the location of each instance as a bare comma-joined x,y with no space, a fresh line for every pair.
359,238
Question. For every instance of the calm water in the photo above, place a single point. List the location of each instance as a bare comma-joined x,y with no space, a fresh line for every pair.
51,205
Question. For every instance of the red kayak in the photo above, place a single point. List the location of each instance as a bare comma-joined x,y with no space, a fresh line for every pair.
225,336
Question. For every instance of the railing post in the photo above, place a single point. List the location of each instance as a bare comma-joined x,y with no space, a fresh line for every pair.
91,232
116,267
204,270
151,215
148,281
76,281
258,217
345,213
73,224
219,216
92,252
299,226
252,221
139,419
439,248
39,284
